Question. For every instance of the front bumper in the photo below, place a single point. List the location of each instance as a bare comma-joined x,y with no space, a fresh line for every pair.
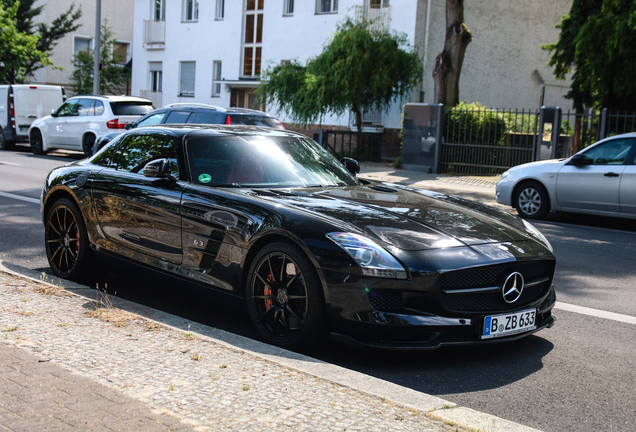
419,331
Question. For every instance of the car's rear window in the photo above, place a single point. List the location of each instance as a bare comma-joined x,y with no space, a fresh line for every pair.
131,108
255,120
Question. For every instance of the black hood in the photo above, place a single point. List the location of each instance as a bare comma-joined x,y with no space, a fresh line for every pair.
406,218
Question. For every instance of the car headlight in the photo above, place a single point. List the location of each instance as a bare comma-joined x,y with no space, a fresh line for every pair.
505,174
372,259
537,234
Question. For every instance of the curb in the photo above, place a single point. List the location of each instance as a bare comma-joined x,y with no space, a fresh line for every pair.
434,407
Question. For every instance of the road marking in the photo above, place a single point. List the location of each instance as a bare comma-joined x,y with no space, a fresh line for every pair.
596,312
20,197
9,163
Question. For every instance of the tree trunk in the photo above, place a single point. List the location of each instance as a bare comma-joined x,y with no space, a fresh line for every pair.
448,63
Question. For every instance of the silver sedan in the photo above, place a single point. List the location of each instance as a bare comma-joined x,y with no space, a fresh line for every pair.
599,180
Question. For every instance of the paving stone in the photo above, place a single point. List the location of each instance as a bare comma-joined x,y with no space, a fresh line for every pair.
88,374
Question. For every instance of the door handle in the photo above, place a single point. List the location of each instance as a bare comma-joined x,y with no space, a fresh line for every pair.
611,174
32,116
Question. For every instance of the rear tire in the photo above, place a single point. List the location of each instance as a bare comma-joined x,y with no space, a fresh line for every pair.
66,241
37,144
284,298
4,144
532,200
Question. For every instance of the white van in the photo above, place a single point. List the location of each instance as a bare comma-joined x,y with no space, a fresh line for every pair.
20,104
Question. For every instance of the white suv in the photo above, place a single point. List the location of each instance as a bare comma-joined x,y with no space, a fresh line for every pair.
79,121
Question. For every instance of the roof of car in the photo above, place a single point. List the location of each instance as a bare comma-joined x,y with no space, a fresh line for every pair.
215,129
122,98
216,108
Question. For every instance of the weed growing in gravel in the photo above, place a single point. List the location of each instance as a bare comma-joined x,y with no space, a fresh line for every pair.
105,311
196,357
10,329
189,336
246,387
223,366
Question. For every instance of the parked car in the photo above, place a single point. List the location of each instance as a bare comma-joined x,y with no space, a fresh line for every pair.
270,217
20,105
179,113
77,123
599,180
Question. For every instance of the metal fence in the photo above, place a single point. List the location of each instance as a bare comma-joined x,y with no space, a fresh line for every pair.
482,141
358,145
486,141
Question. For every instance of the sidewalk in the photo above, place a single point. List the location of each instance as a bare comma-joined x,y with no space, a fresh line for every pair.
72,358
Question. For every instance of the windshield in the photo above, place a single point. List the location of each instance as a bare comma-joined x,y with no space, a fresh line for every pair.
131,108
264,161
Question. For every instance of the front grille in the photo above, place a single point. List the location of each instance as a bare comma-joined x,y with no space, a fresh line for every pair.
386,300
494,276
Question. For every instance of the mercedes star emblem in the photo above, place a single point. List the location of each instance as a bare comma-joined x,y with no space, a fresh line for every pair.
512,287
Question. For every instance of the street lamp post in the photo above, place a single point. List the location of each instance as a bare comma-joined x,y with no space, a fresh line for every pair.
98,32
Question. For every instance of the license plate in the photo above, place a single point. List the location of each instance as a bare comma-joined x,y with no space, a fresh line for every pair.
509,324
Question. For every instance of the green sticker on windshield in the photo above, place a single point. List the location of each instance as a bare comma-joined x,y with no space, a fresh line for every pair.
205,178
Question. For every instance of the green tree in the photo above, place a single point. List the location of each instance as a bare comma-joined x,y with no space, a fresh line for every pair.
46,37
16,47
113,77
597,44
360,69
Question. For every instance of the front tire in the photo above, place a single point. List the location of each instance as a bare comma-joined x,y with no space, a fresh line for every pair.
67,247
284,298
88,144
37,144
532,201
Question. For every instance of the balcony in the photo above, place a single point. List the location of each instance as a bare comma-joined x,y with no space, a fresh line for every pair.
371,121
154,34
154,97
376,14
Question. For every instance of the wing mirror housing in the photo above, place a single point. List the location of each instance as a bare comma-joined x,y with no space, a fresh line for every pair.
158,168
351,165
128,126
579,160
53,113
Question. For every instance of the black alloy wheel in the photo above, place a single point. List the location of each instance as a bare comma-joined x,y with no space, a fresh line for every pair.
532,201
37,145
67,248
284,298
88,144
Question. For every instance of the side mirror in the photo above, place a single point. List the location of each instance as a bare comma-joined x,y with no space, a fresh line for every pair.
128,126
53,113
580,160
351,165
158,168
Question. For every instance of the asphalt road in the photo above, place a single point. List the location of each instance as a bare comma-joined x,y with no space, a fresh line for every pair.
577,376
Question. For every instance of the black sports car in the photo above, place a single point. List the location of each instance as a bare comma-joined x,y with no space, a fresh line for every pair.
271,217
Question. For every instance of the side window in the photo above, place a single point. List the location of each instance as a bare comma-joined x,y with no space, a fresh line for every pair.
177,117
204,117
611,152
99,108
153,119
86,107
141,149
70,108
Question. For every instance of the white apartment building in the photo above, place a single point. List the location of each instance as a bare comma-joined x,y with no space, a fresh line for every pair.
212,51
118,14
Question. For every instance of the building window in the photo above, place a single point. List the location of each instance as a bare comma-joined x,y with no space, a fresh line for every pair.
81,43
186,78
159,10
326,6
121,52
220,9
285,62
156,76
216,79
190,10
289,7
253,38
